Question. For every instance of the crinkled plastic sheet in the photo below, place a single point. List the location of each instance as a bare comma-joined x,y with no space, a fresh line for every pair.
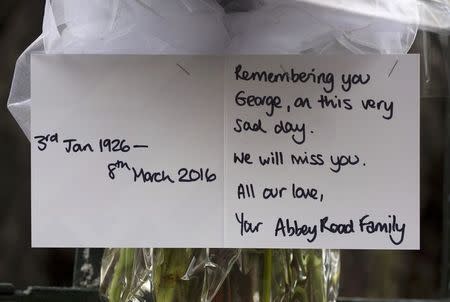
222,27
236,26
226,275
165,274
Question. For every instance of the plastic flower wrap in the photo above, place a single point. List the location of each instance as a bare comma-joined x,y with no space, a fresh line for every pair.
165,274
134,26
223,26
292,26
226,275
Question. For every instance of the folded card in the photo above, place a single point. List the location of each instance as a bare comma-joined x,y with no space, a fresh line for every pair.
234,151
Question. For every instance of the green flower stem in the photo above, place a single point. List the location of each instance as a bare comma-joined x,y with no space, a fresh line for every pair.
267,275
123,265
169,285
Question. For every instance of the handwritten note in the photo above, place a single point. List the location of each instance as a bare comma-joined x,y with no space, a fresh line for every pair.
240,151
322,152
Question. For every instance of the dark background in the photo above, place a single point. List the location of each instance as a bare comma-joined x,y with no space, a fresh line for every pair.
20,24
383,274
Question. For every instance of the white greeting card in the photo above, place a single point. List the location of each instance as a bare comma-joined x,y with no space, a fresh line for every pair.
237,151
